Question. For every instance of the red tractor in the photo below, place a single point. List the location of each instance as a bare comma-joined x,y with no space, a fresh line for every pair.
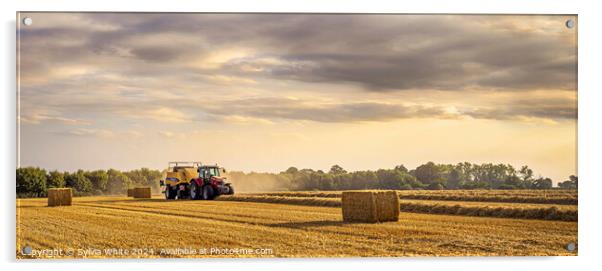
193,180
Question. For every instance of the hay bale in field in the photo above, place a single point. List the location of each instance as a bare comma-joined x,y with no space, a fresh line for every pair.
359,206
59,196
142,193
387,205
130,192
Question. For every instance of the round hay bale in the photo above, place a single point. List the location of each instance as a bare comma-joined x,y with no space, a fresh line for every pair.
359,206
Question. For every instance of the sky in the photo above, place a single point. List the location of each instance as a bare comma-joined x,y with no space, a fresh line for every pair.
262,92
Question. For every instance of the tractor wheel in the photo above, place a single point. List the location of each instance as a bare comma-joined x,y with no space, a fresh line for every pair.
208,192
169,193
230,190
195,191
182,194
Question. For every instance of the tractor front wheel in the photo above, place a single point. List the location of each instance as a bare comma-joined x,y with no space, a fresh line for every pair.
230,190
169,193
208,192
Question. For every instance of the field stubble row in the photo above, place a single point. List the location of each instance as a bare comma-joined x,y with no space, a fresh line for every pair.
484,209
553,196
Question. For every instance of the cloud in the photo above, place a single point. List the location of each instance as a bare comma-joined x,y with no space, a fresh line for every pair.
237,119
525,109
157,54
378,52
178,135
103,133
133,134
165,114
83,132
235,68
305,110
39,118
167,134
350,112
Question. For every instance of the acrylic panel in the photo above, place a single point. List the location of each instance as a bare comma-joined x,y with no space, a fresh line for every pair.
161,135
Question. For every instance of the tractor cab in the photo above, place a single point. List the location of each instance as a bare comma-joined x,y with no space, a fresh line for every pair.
206,172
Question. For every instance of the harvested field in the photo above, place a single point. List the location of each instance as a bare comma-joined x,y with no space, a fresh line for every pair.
555,196
97,224
487,209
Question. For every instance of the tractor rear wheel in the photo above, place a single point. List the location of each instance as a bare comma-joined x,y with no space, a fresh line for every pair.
195,191
208,192
169,193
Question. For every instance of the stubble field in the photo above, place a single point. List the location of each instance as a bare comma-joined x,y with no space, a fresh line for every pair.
267,225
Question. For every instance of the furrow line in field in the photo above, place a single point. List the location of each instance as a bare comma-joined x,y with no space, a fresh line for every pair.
526,212
459,195
285,225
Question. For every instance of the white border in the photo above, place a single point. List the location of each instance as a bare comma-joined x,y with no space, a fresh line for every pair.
589,132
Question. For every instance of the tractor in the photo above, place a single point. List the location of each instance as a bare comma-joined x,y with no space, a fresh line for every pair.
194,180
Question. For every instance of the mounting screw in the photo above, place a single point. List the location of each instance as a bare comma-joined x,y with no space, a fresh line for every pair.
570,23
26,250
570,247
27,21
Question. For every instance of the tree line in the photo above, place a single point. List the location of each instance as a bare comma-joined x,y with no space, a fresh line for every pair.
34,182
426,176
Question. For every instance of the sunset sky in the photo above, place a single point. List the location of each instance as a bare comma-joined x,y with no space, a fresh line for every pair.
262,92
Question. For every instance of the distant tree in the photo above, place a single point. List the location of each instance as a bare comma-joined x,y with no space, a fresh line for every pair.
542,183
336,169
136,177
326,182
407,179
512,181
31,182
79,181
152,177
99,179
571,183
306,181
394,179
465,170
307,171
429,173
526,176
118,182
388,179
401,168
55,179
436,186
574,181
454,178
366,179
292,170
